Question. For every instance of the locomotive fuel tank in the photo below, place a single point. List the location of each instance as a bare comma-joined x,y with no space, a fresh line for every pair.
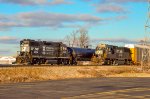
81,54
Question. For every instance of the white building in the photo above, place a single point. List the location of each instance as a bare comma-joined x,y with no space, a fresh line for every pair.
7,60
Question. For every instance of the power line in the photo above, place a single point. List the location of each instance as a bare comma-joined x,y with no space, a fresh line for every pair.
146,51
147,25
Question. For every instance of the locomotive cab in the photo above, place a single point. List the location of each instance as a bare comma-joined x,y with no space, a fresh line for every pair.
24,53
24,46
102,52
99,51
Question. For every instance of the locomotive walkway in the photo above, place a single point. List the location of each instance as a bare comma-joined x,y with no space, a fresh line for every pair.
102,88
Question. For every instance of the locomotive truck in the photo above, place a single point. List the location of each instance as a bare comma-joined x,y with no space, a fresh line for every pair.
46,52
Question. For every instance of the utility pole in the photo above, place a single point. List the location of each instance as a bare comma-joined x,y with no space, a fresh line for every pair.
146,51
147,25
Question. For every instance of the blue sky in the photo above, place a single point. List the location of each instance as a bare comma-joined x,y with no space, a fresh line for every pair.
105,20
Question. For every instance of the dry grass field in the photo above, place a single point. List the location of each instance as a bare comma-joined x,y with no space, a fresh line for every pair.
28,74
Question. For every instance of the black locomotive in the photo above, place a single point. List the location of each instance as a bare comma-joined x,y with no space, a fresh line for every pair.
112,55
45,52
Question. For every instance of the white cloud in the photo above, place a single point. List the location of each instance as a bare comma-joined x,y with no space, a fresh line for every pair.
116,40
110,8
123,1
9,40
36,2
46,19
52,20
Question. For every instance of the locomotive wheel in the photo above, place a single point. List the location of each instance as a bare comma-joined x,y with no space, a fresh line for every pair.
39,61
108,62
115,63
75,61
127,62
65,62
43,61
131,63
58,62
111,62
19,60
69,62
34,61
27,61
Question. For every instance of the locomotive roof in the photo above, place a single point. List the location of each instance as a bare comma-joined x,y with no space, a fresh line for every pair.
40,41
105,45
80,48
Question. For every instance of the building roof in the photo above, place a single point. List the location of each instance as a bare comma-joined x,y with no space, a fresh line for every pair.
137,46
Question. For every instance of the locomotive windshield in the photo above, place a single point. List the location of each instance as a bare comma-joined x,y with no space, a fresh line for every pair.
24,47
99,51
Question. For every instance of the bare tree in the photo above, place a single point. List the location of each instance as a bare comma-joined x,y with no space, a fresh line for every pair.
83,38
78,38
72,39
68,40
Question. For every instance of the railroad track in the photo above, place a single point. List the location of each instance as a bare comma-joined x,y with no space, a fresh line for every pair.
8,65
5,66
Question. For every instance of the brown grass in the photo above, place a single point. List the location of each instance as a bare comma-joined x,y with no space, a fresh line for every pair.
28,74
